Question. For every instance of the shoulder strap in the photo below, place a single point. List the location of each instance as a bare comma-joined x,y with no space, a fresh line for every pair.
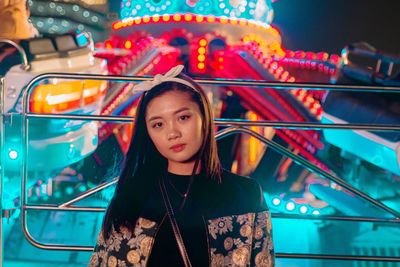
175,227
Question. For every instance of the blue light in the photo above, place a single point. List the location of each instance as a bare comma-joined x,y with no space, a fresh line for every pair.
13,154
290,206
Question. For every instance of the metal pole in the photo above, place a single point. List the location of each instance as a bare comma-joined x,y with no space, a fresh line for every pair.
216,82
234,122
2,90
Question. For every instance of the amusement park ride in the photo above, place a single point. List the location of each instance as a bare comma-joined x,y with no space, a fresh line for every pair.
351,172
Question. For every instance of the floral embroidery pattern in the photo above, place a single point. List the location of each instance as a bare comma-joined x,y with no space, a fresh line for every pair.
232,238
220,226
263,250
125,247
247,241
238,240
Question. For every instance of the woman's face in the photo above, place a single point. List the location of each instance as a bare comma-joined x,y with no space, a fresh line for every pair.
174,124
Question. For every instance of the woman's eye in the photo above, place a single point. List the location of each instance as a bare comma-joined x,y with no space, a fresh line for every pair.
184,117
157,125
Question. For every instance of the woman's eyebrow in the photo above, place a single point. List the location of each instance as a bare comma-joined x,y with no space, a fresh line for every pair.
175,112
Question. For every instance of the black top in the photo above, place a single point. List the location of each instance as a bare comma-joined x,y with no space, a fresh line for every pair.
207,199
191,225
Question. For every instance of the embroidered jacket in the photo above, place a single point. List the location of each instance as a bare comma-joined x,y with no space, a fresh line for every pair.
241,239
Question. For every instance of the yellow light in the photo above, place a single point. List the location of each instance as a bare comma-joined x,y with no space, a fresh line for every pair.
138,20
199,18
53,98
201,58
177,17
201,50
156,18
242,22
253,142
210,19
201,66
233,21
220,59
188,17
128,44
166,17
246,39
203,42
224,20
146,19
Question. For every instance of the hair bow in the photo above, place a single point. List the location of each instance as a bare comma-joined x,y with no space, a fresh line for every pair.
170,76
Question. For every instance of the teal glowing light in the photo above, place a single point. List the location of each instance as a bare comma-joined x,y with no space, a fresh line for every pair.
316,212
82,188
303,209
257,10
69,190
276,201
13,154
290,206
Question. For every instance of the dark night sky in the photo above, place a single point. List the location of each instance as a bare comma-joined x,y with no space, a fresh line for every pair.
328,25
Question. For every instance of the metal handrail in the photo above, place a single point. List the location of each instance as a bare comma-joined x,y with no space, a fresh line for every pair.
215,82
67,206
233,122
310,166
25,63
226,132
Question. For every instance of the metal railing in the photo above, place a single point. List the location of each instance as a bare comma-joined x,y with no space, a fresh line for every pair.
237,126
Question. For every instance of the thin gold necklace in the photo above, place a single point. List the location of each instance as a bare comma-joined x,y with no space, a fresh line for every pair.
184,195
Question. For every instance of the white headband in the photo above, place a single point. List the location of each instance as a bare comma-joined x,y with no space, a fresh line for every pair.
170,76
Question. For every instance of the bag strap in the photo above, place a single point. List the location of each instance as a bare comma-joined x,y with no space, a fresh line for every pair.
174,224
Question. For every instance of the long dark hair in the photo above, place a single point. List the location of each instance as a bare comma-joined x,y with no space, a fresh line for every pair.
144,165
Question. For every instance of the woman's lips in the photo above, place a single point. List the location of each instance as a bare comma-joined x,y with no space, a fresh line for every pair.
178,147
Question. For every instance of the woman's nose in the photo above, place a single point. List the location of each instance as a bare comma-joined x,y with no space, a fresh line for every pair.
173,132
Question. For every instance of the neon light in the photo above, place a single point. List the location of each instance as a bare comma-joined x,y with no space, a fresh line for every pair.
203,42
201,57
177,17
128,44
13,154
201,50
108,44
276,201
303,209
156,18
199,18
188,17
290,206
201,65
211,19
146,19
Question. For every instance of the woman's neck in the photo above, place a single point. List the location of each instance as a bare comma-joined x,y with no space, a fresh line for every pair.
183,168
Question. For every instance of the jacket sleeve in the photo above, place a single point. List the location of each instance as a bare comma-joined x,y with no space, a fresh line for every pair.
262,247
99,256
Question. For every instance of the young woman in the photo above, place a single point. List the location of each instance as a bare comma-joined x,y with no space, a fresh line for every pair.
174,205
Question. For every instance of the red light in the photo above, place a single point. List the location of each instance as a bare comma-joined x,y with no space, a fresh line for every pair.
108,44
